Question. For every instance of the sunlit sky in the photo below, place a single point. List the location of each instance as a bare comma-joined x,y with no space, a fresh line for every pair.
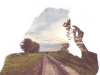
16,19
47,29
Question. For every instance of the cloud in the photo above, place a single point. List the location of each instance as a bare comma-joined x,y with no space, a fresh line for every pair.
48,26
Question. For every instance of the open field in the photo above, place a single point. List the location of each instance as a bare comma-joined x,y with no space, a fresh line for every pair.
27,64
20,65
84,65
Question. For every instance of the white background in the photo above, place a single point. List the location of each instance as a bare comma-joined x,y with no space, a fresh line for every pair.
16,18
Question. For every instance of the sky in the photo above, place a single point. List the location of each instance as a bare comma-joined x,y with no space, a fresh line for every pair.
47,29
16,19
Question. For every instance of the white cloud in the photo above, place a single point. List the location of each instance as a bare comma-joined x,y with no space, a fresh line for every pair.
48,27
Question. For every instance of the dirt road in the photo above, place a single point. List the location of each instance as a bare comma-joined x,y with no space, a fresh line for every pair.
49,66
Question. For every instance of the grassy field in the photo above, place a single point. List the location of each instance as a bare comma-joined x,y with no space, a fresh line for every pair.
84,65
20,65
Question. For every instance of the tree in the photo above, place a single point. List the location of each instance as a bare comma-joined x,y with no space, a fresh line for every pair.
28,45
65,46
36,48
24,45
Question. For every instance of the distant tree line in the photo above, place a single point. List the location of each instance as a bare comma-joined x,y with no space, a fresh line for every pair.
27,45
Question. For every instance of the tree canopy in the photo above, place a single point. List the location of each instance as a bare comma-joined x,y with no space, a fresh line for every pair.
65,46
27,45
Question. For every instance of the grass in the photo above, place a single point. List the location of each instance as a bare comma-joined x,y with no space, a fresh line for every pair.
19,65
87,65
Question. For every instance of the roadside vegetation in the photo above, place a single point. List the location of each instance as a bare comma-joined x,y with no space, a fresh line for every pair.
64,47
27,45
20,65
87,65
